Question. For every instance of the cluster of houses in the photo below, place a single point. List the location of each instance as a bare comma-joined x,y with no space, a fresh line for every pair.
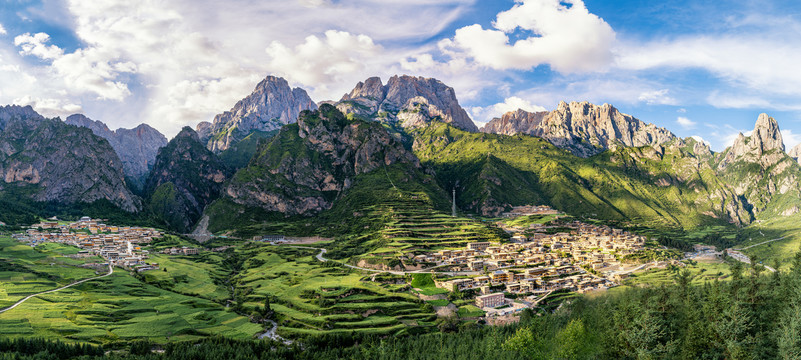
530,210
180,251
581,257
119,245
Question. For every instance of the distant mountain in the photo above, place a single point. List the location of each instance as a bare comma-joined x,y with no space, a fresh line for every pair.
272,105
582,128
185,178
761,172
406,102
50,161
795,153
137,147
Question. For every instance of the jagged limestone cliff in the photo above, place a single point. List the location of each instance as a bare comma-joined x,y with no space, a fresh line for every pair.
272,105
582,128
137,147
407,102
58,162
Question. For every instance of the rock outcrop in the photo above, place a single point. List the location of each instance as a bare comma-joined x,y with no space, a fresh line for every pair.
272,105
137,147
582,128
186,177
59,162
305,166
759,169
765,145
795,153
406,101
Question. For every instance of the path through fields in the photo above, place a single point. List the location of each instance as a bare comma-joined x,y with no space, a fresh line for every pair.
110,271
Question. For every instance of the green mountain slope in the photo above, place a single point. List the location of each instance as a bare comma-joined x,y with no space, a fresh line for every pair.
672,186
185,178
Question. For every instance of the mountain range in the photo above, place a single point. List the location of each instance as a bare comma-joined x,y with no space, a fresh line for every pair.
275,153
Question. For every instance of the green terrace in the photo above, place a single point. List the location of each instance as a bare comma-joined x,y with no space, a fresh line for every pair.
311,297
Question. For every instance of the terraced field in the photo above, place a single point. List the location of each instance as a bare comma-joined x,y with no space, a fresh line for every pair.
412,226
25,270
313,297
120,307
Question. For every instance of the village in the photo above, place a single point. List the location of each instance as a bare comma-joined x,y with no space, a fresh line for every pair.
119,245
537,261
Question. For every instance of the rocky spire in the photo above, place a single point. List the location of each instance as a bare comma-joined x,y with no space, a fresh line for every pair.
272,105
408,101
766,134
765,145
795,153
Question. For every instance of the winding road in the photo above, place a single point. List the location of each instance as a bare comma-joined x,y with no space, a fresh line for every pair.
764,242
110,271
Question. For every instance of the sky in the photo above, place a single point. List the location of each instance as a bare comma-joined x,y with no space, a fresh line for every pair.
698,68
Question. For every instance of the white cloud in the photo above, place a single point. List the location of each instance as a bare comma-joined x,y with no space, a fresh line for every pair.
483,115
35,45
790,139
175,63
48,107
657,97
763,62
700,139
321,61
565,36
2,30
685,122
681,110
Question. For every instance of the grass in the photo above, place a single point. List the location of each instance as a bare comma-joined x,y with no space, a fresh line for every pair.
701,271
120,307
469,311
439,302
25,270
425,283
310,297
198,275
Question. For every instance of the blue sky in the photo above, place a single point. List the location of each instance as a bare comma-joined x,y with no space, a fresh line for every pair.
698,68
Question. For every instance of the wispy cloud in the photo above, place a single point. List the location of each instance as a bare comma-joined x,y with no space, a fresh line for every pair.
685,122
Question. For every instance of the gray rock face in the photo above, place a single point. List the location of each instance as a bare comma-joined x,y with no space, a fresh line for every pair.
186,177
407,101
137,147
775,172
582,128
272,105
330,152
62,163
765,145
515,122
795,153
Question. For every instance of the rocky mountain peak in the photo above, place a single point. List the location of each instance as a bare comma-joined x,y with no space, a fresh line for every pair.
271,105
582,128
795,153
137,147
408,101
185,178
767,135
59,162
330,151
765,145
187,132
370,88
